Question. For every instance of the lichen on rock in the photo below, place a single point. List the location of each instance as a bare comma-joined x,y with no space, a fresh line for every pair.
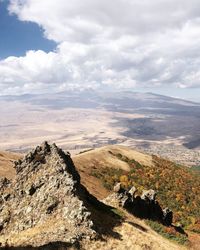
45,202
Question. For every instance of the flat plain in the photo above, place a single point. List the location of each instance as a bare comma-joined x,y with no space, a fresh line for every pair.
166,126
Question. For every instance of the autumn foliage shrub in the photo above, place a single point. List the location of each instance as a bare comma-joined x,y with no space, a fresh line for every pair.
177,186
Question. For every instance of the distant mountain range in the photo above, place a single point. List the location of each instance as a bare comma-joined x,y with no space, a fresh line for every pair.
92,99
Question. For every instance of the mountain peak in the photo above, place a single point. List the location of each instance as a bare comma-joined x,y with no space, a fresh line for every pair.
44,201
50,155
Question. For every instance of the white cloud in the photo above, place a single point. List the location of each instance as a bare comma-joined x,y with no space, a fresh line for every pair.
124,43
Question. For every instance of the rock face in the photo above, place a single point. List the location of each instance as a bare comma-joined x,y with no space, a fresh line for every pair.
45,203
144,206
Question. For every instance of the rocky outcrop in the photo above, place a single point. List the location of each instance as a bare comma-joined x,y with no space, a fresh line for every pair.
45,202
145,206
167,216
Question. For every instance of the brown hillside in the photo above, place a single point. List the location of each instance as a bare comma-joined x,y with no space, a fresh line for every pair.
101,168
115,158
128,233
6,164
105,157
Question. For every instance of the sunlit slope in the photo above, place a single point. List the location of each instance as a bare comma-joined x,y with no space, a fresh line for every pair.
6,164
177,186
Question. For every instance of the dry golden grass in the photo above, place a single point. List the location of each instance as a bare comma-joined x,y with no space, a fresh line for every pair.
134,234
105,157
194,240
6,164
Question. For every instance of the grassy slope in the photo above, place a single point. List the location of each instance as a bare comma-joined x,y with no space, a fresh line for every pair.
101,158
177,186
101,168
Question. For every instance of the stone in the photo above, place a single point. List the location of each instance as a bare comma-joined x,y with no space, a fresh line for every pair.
132,191
167,216
117,188
4,182
46,193
149,195
145,206
5,218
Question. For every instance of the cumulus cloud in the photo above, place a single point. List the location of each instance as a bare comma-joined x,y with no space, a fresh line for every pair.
125,43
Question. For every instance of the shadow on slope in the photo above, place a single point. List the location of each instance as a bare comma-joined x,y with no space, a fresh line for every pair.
104,220
50,162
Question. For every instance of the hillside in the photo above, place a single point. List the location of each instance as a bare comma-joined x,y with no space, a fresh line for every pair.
6,164
176,185
100,158
46,198
177,188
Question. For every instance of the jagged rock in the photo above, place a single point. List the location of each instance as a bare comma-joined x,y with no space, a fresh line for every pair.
4,182
144,206
46,202
117,188
5,218
149,195
124,200
121,195
167,216
132,191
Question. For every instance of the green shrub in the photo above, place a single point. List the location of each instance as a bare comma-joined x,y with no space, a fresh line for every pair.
168,232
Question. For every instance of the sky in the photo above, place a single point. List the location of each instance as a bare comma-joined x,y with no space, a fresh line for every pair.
140,45
17,37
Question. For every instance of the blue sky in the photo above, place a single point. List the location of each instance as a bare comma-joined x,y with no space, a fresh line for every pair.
17,37
48,45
